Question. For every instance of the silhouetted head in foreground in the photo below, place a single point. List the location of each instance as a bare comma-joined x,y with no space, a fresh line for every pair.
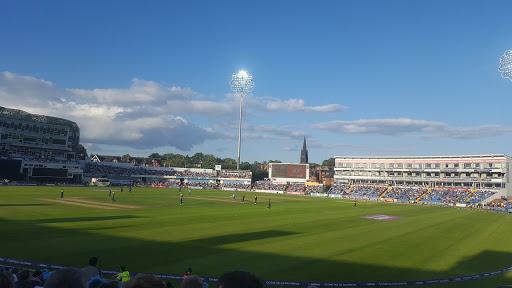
239,279
67,278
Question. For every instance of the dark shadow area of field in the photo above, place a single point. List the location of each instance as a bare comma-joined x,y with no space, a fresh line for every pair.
238,237
22,205
499,259
206,256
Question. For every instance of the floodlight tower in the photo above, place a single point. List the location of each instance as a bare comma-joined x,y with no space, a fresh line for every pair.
506,65
241,83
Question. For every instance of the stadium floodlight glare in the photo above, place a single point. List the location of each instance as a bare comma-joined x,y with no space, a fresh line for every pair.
241,83
506,65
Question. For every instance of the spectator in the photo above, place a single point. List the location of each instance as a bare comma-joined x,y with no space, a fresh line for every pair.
189,271
192,281
123,276
91,270
109,284
37,279
143,281
23,279
14,273
67,278
6,280
239,279
95,282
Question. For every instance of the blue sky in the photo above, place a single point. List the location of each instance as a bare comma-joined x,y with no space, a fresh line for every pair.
369,78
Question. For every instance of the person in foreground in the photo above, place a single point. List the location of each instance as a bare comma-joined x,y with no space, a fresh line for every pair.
144,281
192,281
6,280
239,279
67,278
91,270
123,276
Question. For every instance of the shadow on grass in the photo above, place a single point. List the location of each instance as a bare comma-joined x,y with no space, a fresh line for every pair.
238,237
30,241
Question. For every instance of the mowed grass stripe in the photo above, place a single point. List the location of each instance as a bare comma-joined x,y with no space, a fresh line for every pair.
85,200
78,203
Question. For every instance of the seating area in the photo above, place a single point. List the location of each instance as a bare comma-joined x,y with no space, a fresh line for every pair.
269,186
339,188
202,184
368,191
445,195
104,170
312,189
416,194
405,194
296,187
236,186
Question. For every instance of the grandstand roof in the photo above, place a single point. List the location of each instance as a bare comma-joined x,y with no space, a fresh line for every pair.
25,116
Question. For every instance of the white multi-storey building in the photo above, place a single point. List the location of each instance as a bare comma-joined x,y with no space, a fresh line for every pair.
471,171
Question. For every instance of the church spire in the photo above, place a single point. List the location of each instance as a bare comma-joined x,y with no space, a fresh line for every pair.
304,153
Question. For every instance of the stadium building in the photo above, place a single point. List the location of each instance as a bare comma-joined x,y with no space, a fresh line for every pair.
472,171
38,147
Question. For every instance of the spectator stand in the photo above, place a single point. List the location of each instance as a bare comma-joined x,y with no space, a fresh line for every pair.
235,185
266,186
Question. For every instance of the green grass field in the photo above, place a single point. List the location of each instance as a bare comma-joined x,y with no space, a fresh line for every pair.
299,239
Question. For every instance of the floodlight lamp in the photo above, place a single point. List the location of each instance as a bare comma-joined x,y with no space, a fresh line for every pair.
241,82
506,65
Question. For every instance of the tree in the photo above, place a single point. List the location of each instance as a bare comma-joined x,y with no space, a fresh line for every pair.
155,156
245,166
228,163
196,158
259,175
329,162
312,165
125,158
81,152
168,158
209,161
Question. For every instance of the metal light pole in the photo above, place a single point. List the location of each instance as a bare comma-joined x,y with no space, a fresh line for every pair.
506,65
242,83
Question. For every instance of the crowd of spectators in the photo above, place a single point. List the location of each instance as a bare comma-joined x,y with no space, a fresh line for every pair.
368,190
312,189
296,187
478,196
416,194
405,194
31,158
106,170
445,195
91,277
269,186
237,186
241,175
339,188
203,184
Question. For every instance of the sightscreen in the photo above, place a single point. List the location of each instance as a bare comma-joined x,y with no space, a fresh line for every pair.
10,169
282,170
49,172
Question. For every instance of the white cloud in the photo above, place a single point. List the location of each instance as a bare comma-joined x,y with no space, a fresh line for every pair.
412,128
298,105
139,117
148,114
